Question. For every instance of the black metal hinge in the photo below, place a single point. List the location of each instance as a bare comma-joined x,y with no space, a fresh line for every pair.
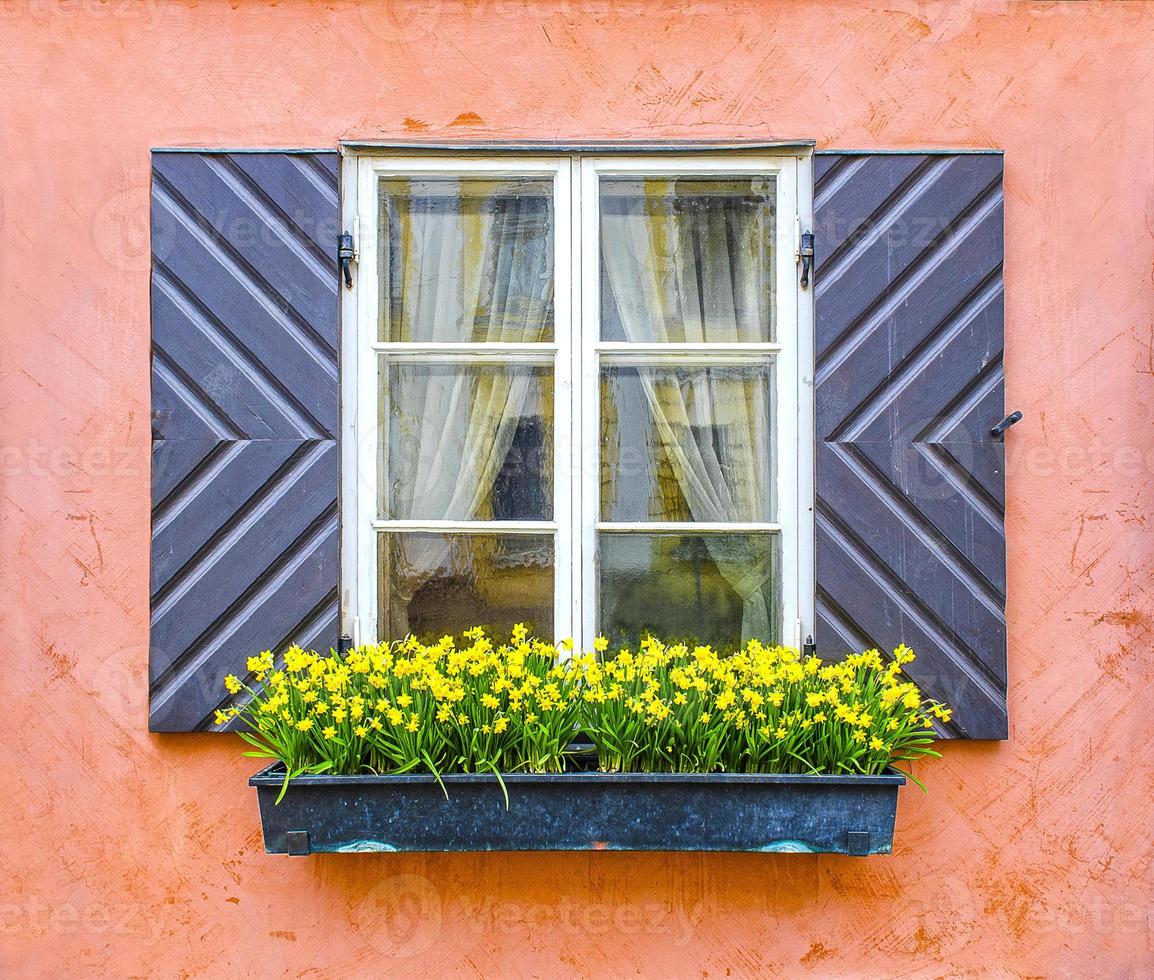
346,252
805,253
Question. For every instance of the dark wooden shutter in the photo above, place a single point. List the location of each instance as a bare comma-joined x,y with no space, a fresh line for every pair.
910,483
244,418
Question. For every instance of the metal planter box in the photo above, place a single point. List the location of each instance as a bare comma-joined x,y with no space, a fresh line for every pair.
580,811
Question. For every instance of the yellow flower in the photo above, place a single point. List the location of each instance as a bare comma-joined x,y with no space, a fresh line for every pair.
500,725
262,663
904,655
304,724
361,731
876,744
600,644
395,716
329,732
404,700
232,684
489,701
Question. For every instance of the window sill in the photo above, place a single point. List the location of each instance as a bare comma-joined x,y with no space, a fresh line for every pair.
580,811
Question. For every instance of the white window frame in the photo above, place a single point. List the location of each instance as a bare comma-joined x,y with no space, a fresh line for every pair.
575,355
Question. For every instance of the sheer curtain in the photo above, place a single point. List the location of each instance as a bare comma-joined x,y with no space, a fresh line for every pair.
695,270
470,268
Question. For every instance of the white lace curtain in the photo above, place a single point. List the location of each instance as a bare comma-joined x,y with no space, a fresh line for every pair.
475,267
684,273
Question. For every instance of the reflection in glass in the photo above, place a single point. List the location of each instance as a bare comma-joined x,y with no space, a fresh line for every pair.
721,589
466,260
467,442
686,444
433,584
687,260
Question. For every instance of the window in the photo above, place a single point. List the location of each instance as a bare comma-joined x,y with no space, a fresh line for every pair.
572,397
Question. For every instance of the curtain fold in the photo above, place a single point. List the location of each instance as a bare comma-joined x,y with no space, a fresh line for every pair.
696,273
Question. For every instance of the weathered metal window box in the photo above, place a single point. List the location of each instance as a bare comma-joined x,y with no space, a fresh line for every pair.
580,811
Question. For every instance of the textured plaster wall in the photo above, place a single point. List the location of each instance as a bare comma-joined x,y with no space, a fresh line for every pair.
137,854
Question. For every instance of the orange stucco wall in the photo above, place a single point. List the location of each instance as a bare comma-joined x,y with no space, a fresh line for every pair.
135,854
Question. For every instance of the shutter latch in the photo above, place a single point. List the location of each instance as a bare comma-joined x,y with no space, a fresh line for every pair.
1012,419
346,252
805,253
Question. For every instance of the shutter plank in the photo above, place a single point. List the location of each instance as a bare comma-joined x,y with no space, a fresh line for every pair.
221,491
245,416
910,485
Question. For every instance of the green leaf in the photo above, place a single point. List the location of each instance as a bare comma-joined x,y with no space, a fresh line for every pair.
437,776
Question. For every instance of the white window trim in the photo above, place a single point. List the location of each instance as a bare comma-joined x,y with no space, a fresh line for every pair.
576,347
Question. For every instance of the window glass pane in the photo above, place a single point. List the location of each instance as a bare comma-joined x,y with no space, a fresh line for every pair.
433,584
466,260
686,444
721,589
467,442
687,260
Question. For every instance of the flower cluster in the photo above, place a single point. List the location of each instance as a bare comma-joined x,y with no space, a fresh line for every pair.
441,707
674,708
410,706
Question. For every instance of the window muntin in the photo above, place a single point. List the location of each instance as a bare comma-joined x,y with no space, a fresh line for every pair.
652,440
